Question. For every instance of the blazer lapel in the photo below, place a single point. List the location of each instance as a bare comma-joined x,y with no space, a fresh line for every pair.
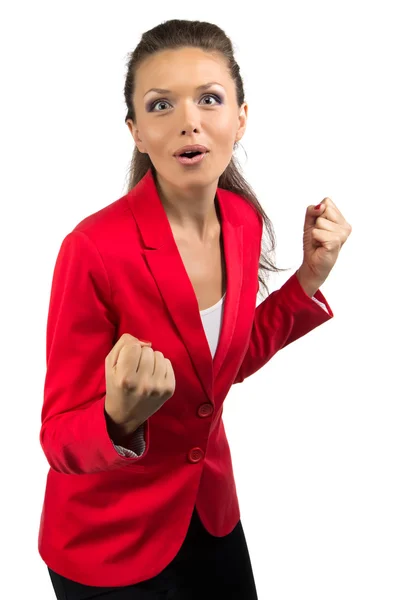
165,262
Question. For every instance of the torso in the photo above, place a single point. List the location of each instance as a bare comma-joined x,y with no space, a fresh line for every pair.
205,267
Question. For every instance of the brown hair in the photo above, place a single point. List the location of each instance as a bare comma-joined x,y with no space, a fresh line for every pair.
174,34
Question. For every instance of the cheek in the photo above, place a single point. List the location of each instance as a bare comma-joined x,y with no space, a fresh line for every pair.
224,131
154,134
156,138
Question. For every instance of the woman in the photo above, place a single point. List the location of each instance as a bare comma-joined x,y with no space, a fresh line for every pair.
152,318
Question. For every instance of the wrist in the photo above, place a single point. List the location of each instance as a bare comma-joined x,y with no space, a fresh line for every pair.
120,433
307,282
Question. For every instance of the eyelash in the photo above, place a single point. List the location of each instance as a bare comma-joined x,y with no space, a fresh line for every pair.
215,96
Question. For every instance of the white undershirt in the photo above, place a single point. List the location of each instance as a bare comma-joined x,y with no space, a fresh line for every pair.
212,320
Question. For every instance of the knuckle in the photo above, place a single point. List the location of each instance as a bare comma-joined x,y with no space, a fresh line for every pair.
145,348
170,390
126,336
146,387
157,390
127,383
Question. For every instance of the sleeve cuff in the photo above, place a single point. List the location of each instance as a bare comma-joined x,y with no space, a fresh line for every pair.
321,304
137,444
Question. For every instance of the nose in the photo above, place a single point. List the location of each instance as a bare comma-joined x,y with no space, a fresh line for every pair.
189,130
190,120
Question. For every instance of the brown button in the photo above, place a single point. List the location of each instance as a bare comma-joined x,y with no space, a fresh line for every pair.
195,455
205,410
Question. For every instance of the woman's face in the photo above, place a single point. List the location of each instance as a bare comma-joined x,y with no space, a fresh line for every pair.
187,114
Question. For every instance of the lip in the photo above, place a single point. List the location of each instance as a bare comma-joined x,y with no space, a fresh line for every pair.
191,148
184,160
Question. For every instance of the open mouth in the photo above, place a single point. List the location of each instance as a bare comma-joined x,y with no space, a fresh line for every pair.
190,154
190,158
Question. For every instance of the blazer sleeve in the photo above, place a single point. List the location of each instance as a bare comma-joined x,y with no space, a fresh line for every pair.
136,446
283,317
81,329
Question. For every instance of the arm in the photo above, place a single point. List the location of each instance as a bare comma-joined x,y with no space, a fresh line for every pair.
283,317
80,333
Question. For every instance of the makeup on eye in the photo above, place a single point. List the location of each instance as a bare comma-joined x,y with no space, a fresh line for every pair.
151,105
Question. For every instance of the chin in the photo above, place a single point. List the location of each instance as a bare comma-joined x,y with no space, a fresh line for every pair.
196,180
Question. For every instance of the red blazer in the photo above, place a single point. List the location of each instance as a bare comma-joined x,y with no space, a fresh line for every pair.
108,520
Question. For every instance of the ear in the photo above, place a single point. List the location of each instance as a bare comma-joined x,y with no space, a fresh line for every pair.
242,121
136,136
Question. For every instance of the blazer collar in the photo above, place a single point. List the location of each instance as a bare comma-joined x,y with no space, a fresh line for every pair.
164,261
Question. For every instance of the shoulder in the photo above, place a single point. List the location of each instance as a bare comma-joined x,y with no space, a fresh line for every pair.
105,226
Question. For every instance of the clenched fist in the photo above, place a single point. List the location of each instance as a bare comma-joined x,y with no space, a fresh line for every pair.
138,382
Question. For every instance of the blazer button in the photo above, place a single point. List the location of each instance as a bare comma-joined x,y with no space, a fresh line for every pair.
205,410
195,455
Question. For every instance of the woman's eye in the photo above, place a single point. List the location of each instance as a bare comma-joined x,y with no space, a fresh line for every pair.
217,98
158,102
214,97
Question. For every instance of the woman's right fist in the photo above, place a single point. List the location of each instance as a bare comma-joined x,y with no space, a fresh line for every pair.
138,382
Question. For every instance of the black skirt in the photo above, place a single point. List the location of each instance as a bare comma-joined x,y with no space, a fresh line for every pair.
206,567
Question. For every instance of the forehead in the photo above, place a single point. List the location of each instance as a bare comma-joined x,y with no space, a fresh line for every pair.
175,68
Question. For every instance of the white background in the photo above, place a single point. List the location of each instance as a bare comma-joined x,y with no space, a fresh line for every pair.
314,434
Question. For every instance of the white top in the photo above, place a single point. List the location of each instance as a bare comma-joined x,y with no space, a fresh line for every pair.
212,320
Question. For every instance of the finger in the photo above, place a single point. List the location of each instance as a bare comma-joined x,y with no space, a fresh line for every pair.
169,372
311,214
329,239
146,361
330,204
126,338
128,360
170,375
159,366
327,224
330,211
114,356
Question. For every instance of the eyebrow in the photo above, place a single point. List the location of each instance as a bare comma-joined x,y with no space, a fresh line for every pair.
205,86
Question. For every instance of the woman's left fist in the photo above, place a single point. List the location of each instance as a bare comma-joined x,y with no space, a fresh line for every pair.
325,232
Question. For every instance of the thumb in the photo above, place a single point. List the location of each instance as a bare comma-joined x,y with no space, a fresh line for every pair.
312,213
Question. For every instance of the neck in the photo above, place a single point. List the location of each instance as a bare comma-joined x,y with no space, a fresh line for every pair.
190,211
